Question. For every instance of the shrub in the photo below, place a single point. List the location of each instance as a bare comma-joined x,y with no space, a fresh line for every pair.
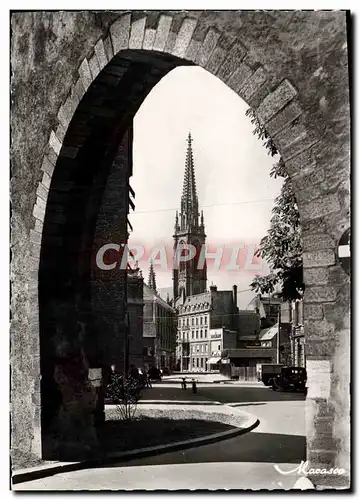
125,394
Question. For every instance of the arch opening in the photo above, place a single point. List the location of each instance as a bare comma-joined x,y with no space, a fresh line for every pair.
83,159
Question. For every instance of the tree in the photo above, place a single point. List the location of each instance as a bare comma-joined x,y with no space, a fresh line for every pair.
282,246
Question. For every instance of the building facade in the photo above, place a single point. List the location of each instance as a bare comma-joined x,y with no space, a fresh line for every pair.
135,306
297,337
159,331
205,326
268,307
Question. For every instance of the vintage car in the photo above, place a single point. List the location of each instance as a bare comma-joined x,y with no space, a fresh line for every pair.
267,372
291,378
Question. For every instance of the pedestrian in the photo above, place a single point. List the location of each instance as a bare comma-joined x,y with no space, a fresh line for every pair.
194,389
134,372
148,380
183,384
142,378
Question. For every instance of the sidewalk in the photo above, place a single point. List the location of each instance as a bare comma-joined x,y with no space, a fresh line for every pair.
194,476
173,402
173,405
213,378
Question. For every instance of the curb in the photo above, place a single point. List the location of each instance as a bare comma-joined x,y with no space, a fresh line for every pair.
24,475
230,382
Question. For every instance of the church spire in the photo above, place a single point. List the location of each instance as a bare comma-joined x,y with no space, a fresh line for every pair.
151,279
189,199
188,279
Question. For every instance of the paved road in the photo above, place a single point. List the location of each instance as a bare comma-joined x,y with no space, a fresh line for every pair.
242,462
279,438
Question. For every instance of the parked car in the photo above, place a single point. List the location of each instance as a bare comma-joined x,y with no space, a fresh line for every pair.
291,378
268,372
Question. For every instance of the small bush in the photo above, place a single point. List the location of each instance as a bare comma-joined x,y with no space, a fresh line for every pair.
125,394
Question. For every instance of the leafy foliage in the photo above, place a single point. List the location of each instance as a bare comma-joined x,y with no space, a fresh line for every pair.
281,247
125,393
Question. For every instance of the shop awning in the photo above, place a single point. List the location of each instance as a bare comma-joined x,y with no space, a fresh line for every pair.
212,361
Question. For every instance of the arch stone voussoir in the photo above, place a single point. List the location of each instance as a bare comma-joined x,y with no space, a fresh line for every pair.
183,38
276,101
162,33
137,33
149,39
120,33
207,47
101,54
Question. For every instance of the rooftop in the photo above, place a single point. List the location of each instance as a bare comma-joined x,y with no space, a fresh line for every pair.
149,292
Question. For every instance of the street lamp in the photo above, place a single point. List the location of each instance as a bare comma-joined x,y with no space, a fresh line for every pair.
126,345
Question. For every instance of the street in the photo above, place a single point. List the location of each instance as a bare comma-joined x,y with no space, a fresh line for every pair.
247,461
279,438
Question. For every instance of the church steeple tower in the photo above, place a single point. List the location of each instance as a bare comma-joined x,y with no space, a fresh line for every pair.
189,199
151,279
188,280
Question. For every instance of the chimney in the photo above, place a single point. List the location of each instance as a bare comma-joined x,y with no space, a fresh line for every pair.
235,297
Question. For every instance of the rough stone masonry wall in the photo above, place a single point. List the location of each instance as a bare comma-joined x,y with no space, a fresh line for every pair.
292,68
108,287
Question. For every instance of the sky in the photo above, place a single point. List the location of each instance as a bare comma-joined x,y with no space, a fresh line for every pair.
232,170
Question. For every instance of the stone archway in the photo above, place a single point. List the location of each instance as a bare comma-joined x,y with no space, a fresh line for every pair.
291,67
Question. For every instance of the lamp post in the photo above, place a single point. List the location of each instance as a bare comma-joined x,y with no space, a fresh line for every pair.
278,337
126,345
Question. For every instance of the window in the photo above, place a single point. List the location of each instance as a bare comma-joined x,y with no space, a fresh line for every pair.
219,347
193,362
197,321
187,321
202,347
205,333
192,321
206,348
202,362
192,335
205,320
201,334
197,334
197,348
201,320
197,362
